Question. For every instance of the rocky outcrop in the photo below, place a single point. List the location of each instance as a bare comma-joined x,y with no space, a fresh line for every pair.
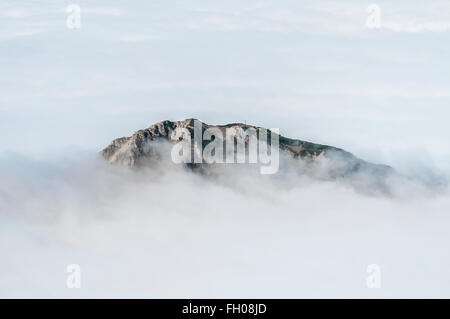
130,151
135,150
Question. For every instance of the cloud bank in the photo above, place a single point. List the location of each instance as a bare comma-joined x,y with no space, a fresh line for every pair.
168,232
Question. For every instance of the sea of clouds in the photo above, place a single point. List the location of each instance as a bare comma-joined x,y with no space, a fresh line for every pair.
165,231
311,68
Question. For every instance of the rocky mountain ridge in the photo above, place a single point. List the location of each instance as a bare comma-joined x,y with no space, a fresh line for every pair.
135,150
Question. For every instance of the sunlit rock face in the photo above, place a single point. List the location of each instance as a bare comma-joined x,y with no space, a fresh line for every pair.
149,147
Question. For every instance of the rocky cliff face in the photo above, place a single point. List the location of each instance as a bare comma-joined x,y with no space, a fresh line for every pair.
132,151
140,148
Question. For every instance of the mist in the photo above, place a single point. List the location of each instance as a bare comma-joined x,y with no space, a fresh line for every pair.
166,231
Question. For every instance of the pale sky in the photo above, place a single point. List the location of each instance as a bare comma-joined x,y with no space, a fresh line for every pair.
311,68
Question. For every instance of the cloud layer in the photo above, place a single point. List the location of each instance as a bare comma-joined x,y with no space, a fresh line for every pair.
312,69
167,232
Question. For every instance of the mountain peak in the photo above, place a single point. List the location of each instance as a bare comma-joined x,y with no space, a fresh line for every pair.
135,150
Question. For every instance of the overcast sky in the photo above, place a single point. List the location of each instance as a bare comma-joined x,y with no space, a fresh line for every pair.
311,68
